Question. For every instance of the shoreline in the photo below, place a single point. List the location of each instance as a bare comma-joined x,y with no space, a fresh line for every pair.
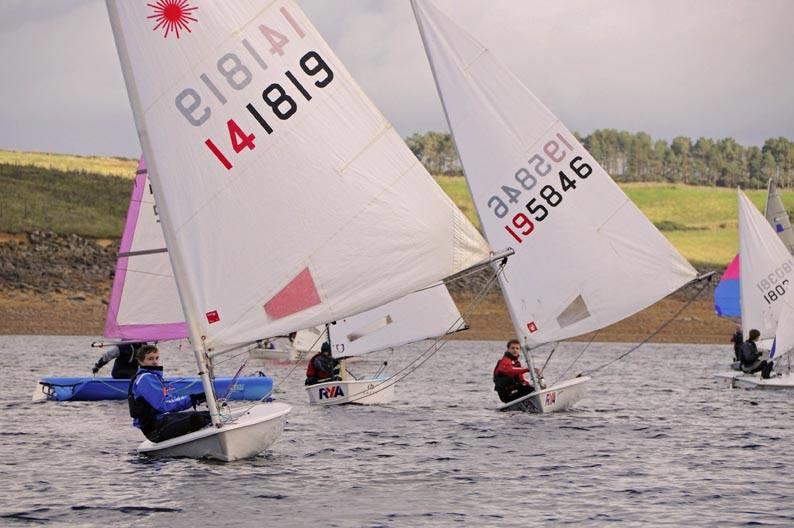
24,312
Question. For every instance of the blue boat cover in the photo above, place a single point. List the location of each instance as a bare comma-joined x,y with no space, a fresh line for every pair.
250,388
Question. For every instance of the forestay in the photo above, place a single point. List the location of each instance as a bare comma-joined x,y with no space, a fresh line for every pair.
421,315
287,200
766,271
144,302
585,256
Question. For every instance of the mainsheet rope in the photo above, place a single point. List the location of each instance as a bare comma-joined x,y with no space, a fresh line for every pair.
656,332
438,343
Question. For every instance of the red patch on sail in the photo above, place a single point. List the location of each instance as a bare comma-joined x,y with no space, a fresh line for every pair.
298,295
532,327
213,317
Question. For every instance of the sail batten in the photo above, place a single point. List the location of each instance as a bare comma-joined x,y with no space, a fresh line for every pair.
585,255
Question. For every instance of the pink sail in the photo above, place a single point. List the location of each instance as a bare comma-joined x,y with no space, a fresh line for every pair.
144,302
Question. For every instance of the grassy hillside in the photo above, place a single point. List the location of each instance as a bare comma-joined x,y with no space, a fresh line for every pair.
122,167
89,195
62,201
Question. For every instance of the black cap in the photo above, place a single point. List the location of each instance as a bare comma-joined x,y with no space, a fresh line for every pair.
326,347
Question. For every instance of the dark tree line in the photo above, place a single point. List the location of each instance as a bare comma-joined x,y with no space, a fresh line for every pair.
638,157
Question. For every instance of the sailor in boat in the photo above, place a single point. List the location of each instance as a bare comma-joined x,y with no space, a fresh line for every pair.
751,357
737,339
322,366
153,412
508,375
125,365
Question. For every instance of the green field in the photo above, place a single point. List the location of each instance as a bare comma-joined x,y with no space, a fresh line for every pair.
89,195
105,166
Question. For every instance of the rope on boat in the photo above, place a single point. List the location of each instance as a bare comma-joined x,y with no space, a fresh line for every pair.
438,343
658,330
554,348
564,372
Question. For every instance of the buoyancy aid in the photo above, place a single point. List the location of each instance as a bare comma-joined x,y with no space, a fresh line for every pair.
508,374
144,415
126,366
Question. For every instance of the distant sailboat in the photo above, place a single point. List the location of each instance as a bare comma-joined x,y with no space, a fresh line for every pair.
144,306
585,255
726,295
424,314
766,276
249,121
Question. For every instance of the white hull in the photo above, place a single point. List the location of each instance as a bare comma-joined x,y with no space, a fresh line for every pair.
362,392
552,399
277,354
252,431
740,380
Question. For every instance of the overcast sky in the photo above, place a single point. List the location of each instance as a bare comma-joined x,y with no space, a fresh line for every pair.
712,68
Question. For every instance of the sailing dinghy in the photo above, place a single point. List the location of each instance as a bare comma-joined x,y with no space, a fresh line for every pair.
585,255
248,120
425,314
765,281
144,306
726,295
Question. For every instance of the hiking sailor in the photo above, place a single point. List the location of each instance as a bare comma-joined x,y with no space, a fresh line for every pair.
154,412
322,366
125,365
751,357
508,375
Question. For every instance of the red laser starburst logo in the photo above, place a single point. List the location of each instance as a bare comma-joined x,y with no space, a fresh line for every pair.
172,15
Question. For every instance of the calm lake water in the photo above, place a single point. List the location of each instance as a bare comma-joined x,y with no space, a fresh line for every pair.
655,442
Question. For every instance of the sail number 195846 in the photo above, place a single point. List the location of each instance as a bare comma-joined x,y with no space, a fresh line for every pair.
549,196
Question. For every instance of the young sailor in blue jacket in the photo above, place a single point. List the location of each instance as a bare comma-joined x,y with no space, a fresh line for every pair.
152,410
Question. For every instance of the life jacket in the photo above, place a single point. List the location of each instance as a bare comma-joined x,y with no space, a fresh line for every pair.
749,353
503,382
126,365
140,409
311,372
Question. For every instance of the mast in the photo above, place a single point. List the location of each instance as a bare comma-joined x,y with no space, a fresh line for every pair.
196,340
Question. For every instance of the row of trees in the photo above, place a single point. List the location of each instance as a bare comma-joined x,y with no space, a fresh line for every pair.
638,157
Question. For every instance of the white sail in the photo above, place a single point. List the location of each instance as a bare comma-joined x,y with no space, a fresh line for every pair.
765,273
421,315
585,255
784,336
287,200
310,339
144,302
777,216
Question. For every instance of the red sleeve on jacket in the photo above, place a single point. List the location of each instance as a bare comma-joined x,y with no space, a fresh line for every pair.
505,366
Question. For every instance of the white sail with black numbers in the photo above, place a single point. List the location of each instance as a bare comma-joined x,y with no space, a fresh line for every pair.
144,302
286,199
765,276
585,255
